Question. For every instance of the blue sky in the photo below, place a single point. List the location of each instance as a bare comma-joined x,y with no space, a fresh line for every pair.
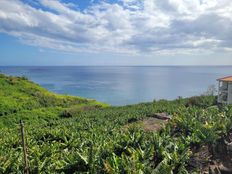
119,32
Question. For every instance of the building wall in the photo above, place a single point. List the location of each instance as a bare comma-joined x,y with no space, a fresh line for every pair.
230,93
223,92
224,85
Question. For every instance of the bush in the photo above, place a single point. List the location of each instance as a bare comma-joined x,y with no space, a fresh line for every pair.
201,101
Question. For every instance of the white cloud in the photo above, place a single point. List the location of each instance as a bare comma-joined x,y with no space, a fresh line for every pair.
126,26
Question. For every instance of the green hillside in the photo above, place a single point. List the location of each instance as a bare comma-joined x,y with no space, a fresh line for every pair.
17,93
73,135
19,96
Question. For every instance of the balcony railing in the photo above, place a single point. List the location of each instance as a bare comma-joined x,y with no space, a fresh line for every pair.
223,88
223,97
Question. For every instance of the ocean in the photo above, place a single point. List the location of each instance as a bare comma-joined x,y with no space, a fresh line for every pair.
123,85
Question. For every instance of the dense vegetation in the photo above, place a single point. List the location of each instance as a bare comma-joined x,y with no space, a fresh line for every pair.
73,135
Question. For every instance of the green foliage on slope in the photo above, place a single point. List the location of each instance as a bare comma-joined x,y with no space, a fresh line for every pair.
18,93
78,138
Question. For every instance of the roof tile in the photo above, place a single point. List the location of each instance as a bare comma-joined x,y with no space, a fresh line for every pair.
226,79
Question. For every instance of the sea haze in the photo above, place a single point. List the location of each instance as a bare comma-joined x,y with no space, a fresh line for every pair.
124,85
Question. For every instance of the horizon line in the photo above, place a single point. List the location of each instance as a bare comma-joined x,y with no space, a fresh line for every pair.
112,65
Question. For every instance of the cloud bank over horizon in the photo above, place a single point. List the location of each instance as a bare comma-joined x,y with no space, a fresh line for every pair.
133,27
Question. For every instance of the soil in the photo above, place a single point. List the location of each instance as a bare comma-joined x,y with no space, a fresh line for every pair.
200,159
152,123
213,159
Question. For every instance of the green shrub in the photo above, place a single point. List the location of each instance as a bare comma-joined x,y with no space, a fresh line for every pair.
201,101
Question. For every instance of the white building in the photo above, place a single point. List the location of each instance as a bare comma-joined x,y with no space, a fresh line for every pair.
225,90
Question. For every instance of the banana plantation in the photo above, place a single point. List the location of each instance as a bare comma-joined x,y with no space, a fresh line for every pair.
68,135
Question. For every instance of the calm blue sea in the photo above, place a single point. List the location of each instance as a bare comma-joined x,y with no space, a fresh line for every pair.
124,85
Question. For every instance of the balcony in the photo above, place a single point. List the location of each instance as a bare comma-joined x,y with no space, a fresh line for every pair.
223,97
223,88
